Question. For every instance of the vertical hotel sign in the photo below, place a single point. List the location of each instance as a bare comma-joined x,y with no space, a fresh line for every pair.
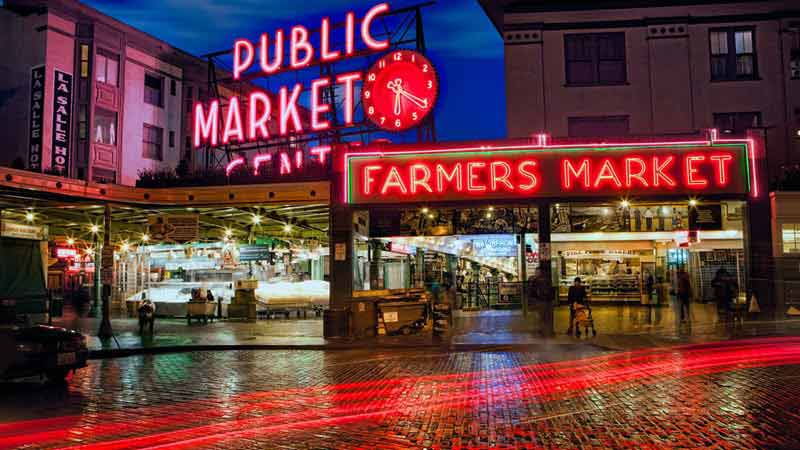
36,119
62,122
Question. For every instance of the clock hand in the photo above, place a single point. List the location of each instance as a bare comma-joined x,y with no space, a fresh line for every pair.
397,109
420,102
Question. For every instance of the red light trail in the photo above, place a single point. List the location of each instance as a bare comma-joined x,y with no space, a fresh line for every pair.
205,422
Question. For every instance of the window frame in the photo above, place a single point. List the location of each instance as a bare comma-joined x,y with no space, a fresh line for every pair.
736,116
160,78
595,58
159,143
731,64
107,56
99,113
795,229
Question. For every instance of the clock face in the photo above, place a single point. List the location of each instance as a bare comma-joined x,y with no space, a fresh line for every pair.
399,90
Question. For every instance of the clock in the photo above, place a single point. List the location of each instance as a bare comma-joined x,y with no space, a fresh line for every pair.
399,90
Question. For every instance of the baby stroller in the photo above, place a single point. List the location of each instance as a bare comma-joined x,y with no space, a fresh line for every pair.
583,318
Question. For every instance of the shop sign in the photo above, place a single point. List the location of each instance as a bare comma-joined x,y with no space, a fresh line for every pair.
705,217
22,231
174,228
65,253
525,172
62,121
253,253
340,252
397,92
36,123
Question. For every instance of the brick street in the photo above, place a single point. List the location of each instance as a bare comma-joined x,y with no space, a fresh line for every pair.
733,394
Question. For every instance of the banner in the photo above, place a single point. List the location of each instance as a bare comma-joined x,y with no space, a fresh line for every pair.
62,122
36,124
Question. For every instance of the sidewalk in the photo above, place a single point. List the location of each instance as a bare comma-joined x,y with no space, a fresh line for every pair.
485,331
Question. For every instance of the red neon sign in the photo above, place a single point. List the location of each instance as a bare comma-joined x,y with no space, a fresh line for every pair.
513,172
64,253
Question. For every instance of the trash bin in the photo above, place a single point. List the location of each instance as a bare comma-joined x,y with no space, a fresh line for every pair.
363,319
334,322
403,317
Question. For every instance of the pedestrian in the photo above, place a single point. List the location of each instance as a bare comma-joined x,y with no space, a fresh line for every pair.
724,293
147,314
575,296
649,281
684,294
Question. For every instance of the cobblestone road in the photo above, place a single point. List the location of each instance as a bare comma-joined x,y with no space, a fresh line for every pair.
736,394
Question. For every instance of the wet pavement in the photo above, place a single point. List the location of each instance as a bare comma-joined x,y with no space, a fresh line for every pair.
738,394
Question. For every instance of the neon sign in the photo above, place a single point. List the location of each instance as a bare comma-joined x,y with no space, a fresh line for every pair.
259,115
548,171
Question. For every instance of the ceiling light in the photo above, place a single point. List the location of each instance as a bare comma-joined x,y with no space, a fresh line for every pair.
29,216
228,232
287,228
70,241
145,238
625,203
692,202
95,229
125,247
256,219
424,210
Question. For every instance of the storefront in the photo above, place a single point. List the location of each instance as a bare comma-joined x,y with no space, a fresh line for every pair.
487,219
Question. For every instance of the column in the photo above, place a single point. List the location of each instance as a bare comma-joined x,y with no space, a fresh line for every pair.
546,270
522,273
107,278
341,266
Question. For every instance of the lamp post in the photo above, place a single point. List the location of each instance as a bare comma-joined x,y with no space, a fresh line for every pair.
95,229
108,255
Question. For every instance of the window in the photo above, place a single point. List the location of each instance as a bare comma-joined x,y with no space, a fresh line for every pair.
188,100
84,60
736,122
153,87
794,56
595,59
173,87
733,54
106,69
153,142
601,126
790,236
83,122
188,142
171,139
105,127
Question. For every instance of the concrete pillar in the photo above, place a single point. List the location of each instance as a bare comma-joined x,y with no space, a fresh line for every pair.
522,273
341,264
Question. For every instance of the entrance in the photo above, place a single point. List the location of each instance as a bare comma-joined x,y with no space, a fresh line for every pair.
477,259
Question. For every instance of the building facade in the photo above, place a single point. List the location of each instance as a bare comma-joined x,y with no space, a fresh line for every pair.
606,68
126,91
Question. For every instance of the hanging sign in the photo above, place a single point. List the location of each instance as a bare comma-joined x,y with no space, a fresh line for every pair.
518,172
705,217
36,122
174,228
10,229
253,253
62,122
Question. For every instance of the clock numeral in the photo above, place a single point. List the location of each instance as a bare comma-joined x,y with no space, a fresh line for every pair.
367,94
430,84
397,123
383,120
371,77
414,115
413,58
371,110
425,68
397,56
381,64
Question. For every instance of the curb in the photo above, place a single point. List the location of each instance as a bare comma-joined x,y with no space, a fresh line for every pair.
125,352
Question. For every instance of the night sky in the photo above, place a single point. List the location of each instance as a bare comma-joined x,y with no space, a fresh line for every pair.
462,43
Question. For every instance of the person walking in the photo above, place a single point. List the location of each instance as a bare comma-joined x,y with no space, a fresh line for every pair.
684,294
575,296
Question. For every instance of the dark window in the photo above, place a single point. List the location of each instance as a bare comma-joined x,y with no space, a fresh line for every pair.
188,142
153,142
736,123
153,88
83,122
188,99
794,56
106,69
171,139
733,54
600,126
173,87
595,59
105,127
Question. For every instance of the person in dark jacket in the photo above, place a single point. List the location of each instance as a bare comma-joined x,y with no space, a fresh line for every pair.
725,291
576,294
684,294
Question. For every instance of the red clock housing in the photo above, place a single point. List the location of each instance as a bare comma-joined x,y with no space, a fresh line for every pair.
399,90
